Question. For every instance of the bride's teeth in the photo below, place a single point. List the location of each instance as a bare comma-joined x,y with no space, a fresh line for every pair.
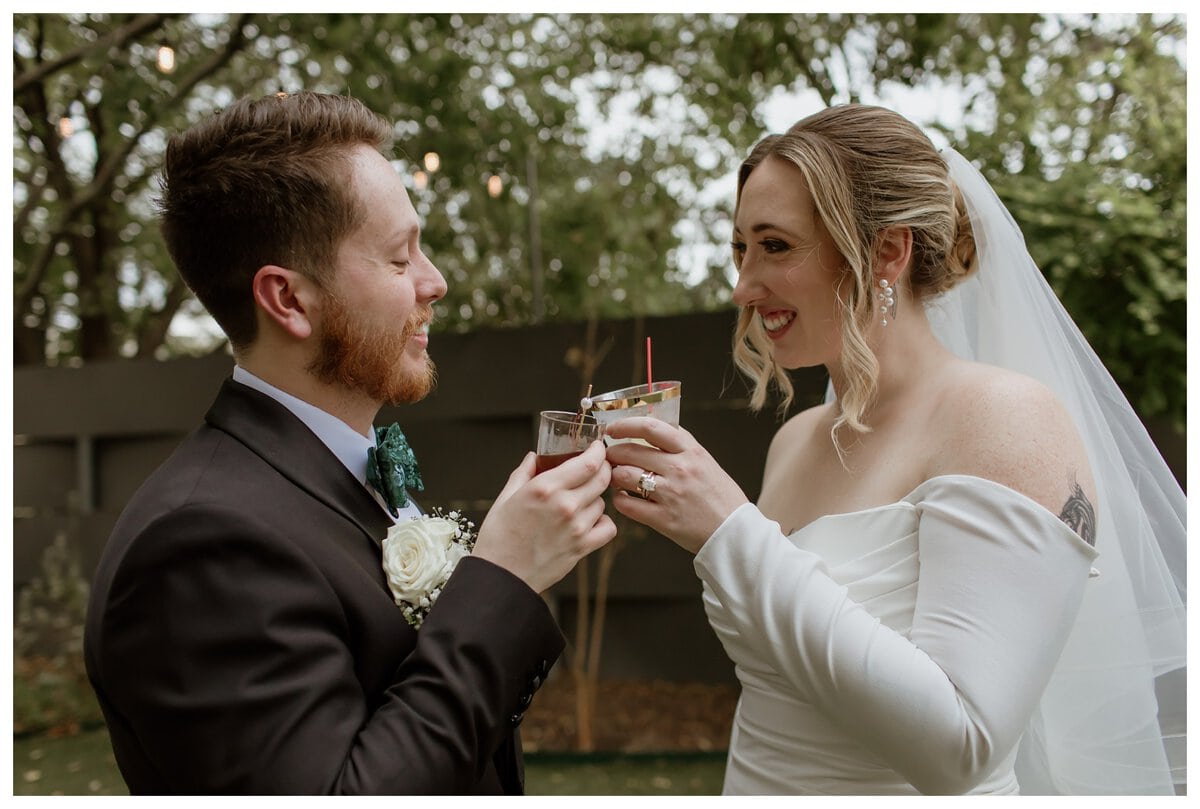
777,322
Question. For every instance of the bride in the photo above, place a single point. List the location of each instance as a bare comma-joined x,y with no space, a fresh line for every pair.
965,572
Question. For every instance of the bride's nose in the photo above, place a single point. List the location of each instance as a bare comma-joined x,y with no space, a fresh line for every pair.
748,290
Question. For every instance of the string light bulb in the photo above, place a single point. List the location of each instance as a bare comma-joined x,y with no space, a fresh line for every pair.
495,186
432,162
66,127
420,180
165,59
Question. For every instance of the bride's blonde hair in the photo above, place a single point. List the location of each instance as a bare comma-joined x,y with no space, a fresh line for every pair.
868,169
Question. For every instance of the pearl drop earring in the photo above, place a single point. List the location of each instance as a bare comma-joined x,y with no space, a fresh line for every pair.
887,297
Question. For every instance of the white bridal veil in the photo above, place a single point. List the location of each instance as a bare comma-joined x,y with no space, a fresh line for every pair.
1113,719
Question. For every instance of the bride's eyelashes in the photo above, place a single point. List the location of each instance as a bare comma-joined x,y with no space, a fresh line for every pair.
769,246
739,252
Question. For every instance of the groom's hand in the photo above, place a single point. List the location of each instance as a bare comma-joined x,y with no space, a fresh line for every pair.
541,525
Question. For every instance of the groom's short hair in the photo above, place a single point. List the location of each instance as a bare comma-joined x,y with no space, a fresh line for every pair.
264,181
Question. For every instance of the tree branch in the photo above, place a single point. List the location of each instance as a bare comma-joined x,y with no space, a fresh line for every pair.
58,177
35,191
817,80
118,37
105,174
153,330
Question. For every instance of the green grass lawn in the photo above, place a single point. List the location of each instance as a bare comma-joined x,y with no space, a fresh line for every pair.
642,774
84,765
70,765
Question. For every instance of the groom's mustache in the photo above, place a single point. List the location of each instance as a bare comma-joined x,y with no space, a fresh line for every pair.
417,321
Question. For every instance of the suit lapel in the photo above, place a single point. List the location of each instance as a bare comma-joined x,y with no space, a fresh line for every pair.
273,433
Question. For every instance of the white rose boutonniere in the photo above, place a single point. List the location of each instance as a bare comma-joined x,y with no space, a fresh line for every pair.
418,557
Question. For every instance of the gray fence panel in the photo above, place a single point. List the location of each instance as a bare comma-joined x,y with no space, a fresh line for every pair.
85,438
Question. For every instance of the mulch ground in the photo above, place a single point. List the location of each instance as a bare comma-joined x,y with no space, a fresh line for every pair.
633,716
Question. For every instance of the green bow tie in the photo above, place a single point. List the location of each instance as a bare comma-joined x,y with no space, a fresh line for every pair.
392,467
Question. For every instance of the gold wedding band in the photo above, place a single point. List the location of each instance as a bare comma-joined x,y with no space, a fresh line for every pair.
646,485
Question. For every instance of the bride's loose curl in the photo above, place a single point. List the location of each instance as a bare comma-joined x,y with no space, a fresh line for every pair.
868,169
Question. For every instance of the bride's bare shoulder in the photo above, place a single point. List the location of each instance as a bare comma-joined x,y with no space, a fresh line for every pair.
1010,428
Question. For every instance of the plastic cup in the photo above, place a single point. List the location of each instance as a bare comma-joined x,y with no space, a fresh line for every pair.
562,435
658,399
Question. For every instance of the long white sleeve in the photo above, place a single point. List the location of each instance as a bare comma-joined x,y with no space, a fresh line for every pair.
1000,583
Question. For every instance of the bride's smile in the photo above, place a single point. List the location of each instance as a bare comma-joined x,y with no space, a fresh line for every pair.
788,266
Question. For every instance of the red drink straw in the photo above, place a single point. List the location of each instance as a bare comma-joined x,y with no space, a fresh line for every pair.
649,376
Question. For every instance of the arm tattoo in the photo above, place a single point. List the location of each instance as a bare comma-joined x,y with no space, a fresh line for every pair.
1079,515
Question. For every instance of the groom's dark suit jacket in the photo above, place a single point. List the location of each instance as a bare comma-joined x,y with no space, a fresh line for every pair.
242,639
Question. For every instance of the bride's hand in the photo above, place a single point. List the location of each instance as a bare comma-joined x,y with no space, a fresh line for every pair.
688,496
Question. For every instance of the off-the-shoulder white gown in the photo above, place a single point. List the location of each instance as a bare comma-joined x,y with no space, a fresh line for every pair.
895,650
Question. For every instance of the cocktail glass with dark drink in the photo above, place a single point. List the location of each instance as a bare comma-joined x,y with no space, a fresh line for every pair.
562,435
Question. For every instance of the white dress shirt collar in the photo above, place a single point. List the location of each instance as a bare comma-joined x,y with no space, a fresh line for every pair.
349,445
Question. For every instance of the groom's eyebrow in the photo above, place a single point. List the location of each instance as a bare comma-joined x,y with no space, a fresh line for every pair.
404,235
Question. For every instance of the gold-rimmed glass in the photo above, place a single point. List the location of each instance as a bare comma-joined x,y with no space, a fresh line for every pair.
658,399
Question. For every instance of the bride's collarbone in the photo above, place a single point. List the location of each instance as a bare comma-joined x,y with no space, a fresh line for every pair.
868,474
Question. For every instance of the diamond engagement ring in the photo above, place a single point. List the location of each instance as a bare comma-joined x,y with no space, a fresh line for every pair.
646,485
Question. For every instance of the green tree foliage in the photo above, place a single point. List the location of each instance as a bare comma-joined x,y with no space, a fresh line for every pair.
92,279
606,136
1090,155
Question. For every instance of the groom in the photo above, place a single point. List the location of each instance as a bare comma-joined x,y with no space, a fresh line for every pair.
241,636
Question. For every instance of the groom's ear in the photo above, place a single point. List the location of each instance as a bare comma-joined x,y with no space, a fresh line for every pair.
893,252
286,299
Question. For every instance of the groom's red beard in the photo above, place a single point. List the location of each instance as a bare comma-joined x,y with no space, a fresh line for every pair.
369,359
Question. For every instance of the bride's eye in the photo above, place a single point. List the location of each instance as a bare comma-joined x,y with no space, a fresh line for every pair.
774,246
739,252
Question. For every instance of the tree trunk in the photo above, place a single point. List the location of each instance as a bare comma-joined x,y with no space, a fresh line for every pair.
584,703
589,635
153,332
29,345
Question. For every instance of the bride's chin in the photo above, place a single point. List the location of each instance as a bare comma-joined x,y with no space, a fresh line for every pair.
799,357
792,361
792,352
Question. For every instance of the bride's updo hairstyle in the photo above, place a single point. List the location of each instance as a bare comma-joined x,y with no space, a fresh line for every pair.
867,169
